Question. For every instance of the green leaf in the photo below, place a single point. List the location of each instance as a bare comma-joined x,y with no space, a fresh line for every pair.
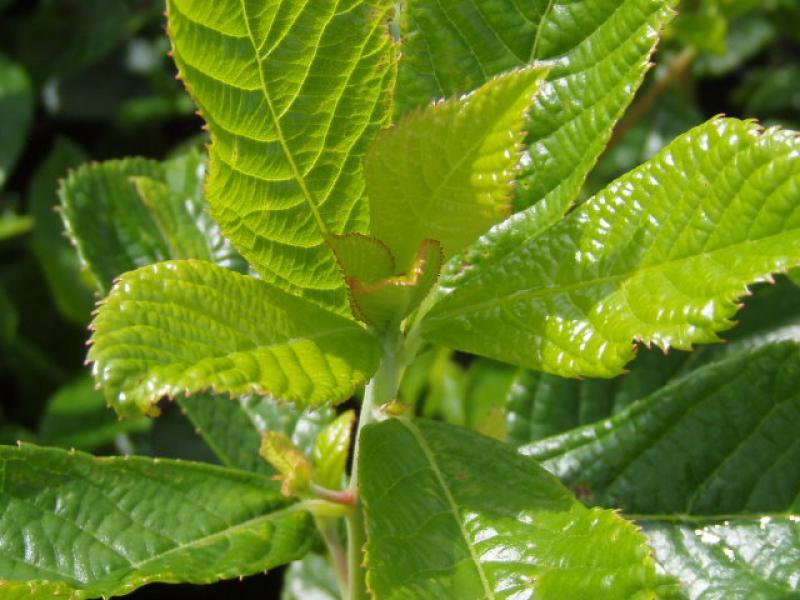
599,50
57,259
387,302
310,578
434,532
76,526
331,450
16,112
185,326
110,226
365,258
718,206
292,466
707,466
116,229
77,417
446,173
291,93
233,427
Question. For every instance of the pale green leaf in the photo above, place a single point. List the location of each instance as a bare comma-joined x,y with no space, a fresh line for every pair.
434,532
12,224
446,173
57,259
77,416
331,451
16,113
76,526
363,257
599,50
291,93
707,465
232,427
187,326
660,256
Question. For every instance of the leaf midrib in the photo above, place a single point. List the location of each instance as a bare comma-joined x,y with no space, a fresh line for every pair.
298,176
429,457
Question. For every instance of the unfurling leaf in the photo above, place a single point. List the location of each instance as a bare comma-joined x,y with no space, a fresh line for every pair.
331,451
389,300
293,467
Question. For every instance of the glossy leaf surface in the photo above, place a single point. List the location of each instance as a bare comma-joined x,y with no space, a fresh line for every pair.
331,450
434,532
188,326
445,173
75,526
707,466
291,93
660,256
599,50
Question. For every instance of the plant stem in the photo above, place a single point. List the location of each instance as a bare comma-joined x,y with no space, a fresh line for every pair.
381,389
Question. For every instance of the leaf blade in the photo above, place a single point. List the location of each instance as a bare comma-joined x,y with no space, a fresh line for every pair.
433,532
151,529
651,235
293,155
185,326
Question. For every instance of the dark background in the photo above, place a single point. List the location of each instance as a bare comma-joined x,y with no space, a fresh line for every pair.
102,79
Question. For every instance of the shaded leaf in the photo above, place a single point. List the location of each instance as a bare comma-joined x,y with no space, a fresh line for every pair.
310,578
150,520
291,94
78,417
57,259
717,206
187,326
433,531
233,427
707,466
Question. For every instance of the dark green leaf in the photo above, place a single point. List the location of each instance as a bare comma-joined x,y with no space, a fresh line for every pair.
76,526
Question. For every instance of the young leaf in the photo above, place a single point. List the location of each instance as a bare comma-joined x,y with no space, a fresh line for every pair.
291,93
707,466
16,112
435,532
390,300
185,326
446,173
331,451
233,427
660,256
76,526
599,50
365,258
292,466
